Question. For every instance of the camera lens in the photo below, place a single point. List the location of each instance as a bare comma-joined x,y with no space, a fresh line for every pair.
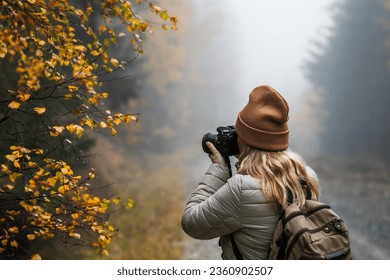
208,137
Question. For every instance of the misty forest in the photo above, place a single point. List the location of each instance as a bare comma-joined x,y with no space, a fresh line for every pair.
104,104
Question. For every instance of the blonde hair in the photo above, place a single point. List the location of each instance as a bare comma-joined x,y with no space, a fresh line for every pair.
278,172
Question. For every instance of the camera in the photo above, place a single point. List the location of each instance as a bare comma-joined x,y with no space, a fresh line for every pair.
225,141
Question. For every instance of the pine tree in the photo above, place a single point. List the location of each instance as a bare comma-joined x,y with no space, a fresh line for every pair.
352,71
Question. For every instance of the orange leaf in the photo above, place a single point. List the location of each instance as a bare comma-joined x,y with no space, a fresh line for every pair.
23,96
14,105
40,110
13,230
31,236
36,257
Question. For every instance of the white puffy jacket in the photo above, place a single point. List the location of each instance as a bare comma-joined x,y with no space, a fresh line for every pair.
222,205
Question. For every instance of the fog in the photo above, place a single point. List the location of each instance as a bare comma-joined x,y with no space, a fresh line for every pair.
192,80
223,50
199,77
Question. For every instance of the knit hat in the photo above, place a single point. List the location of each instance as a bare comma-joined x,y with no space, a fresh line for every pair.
262,123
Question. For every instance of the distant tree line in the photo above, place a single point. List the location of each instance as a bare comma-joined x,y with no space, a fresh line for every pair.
352,73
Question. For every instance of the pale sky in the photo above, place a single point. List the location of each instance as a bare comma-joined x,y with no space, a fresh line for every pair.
276,37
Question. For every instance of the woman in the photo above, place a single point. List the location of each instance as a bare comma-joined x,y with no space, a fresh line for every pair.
246,207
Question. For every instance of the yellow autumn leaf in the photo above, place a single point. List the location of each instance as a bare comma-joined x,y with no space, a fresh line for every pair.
75,215
51,182
13,230
72,88
129,203
79,131
36,257
14,243
32,164
25,151
127,118
75,129
116,200
164,15
71,128
75,235
65,170
79,12
10,157
95,53
117,120
14,148
9,187
14,105
31,236
4,242
134,118
80,48
154,8
16,164
40,110
23,96
4,168
143,26
88,122
13,176
63,189
113,131
3,50
56,130
31,1
102,125
114,62
104,95
94,101
102,28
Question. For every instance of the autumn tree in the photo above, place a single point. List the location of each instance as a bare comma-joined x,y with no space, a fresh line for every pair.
54,61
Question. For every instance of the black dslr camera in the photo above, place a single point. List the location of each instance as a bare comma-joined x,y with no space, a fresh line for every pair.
225,141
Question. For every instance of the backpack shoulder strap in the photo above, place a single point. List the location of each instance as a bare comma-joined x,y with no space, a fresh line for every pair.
305,188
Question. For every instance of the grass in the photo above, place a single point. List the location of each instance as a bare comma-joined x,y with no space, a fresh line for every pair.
151,229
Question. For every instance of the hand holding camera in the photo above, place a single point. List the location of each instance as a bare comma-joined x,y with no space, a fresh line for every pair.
215,155
225,141
222,145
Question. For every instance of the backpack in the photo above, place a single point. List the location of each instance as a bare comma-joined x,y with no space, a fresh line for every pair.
313,232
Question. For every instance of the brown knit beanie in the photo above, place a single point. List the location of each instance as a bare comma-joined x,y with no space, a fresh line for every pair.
262,123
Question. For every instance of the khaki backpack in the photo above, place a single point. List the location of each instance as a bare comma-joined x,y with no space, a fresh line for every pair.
313,232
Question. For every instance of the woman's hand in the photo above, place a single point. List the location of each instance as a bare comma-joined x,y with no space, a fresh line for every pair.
215,155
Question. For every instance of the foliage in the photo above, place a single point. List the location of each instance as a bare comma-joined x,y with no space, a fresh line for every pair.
53,58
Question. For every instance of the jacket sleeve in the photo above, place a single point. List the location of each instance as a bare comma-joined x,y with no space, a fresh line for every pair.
214,208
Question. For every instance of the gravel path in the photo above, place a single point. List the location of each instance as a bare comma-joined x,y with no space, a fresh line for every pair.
365,207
